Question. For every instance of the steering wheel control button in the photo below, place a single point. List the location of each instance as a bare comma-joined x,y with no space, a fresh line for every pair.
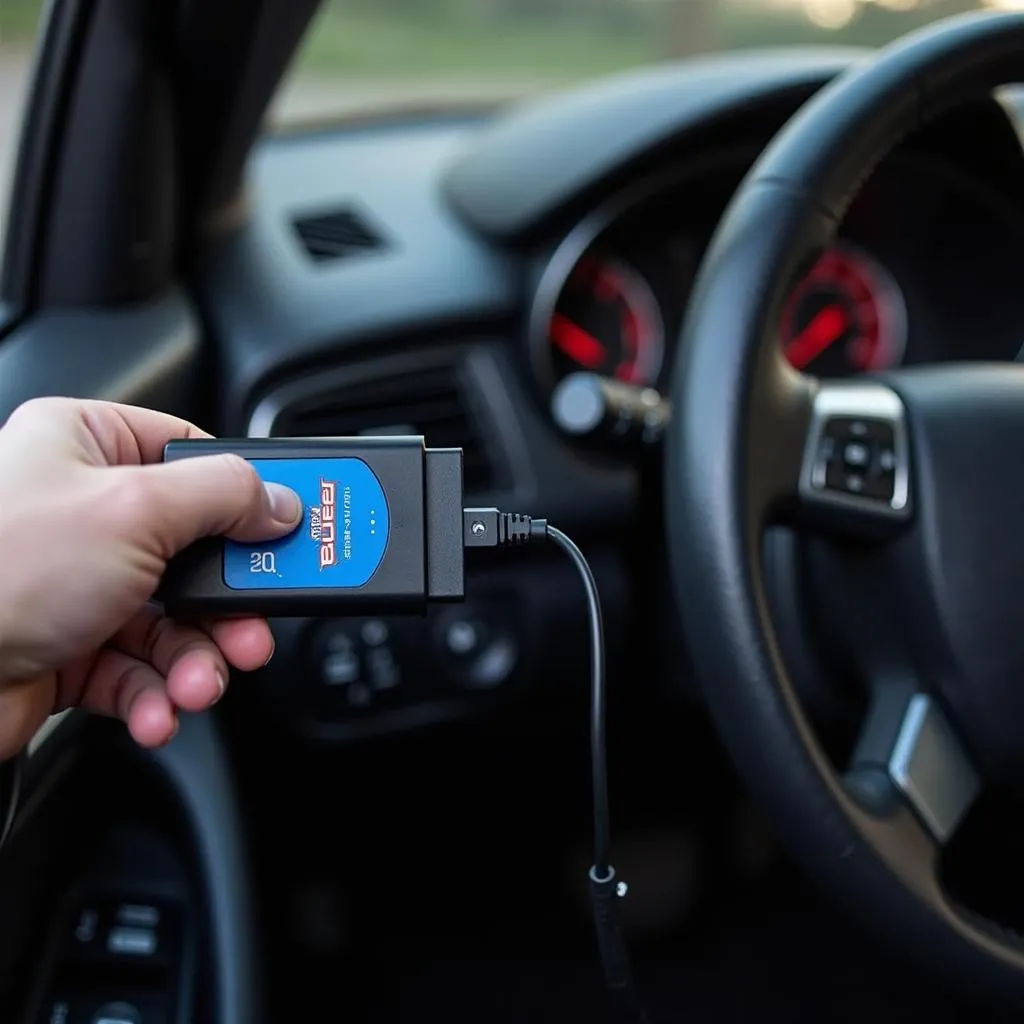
931,768
857,456
851,454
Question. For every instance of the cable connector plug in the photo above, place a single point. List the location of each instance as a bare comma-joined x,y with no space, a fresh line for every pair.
492,528
605,892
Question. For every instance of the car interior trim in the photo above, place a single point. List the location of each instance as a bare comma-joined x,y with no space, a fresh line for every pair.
931,768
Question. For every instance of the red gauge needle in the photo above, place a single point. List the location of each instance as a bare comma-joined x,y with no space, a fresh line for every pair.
825,329
578,344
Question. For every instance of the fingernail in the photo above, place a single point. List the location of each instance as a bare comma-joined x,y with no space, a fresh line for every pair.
174,731
273,647
284,503
222,685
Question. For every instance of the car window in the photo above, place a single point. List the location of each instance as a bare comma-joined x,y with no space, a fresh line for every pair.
363,56
19,22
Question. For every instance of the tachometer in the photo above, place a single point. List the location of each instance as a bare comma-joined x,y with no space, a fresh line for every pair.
607,320
846,316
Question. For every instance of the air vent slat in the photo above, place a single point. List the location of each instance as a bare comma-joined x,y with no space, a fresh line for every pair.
429,401
337,235
376,393
435,413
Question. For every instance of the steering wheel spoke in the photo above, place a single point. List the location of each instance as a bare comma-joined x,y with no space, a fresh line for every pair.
909,754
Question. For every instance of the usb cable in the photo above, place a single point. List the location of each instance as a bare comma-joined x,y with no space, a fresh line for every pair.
491,528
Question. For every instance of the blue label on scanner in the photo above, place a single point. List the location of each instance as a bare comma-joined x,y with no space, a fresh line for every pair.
340,541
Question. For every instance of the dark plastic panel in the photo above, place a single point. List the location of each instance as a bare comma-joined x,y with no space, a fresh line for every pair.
517,173
142,354
274,306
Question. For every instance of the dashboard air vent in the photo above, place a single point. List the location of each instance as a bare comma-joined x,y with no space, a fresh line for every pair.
422,400
337,235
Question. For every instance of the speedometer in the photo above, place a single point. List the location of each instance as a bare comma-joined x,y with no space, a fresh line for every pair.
846,316
608,321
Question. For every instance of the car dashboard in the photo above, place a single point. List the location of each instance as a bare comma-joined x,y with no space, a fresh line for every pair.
442,275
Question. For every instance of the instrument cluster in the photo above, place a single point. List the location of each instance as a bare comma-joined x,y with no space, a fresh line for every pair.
917,274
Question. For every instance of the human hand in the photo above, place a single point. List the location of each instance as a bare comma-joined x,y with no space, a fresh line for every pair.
89,516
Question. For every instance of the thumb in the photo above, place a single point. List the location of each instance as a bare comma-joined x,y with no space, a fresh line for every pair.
211,495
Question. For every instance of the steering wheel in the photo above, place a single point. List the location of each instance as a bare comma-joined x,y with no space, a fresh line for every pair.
910,485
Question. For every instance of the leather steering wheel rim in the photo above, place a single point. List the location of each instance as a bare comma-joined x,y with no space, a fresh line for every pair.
730,382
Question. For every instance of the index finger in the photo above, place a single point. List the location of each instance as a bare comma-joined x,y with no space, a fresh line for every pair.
147,430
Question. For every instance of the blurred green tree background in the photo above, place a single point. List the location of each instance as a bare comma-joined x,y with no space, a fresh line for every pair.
560,38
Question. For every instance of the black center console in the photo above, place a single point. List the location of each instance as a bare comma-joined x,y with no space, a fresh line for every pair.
334,680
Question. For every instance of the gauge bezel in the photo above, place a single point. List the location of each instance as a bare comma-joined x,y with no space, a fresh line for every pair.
881,282
589,229
636,292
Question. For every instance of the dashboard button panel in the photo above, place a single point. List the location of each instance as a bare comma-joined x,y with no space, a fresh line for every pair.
358,666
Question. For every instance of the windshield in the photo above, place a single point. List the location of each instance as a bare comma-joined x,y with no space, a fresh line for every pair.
366,56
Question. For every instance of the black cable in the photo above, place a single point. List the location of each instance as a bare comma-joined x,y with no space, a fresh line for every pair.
488,527
598,752
605,888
